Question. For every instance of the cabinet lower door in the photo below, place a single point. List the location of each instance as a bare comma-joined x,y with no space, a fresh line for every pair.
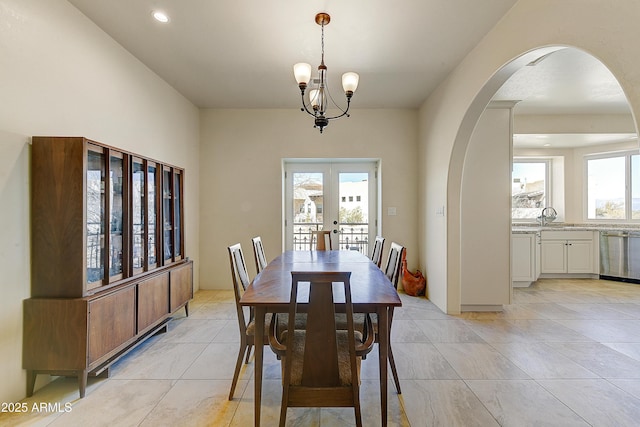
112,322
553,256
181,283
523,258
580,256
153,301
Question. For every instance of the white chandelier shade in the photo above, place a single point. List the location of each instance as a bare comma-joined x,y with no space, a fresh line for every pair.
350,81
302,71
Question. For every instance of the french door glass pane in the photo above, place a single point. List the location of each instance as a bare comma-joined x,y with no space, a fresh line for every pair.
151,212
528,189
116,215
95,216
308,197
138,213
635,186
353,212
606,188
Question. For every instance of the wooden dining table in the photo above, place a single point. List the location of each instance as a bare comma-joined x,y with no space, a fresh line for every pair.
371,292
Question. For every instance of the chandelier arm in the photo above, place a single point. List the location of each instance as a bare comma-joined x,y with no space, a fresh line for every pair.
344,112
304,107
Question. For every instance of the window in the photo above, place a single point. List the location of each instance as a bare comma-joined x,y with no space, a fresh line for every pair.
613,186
530,183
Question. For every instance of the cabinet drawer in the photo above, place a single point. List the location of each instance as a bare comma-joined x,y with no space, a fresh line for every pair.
566,235
153,301
112,322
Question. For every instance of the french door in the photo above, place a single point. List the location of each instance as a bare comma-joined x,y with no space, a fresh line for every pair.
336,196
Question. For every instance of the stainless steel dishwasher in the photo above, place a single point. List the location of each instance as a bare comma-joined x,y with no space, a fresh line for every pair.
620,256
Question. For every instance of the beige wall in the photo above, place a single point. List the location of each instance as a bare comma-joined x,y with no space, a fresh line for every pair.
61,75
485,276
241,176
606,29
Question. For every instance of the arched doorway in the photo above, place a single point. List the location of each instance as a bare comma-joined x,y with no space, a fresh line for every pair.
482,224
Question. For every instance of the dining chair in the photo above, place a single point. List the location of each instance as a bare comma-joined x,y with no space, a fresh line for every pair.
392,271
241,281
258,254
322,238
376,254
320,363
247,326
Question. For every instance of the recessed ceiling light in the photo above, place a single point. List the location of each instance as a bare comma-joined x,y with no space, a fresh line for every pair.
160,16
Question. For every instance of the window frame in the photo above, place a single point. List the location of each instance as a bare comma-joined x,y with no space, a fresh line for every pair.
628,190
547,183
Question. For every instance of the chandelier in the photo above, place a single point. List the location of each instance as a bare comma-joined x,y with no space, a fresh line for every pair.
319,95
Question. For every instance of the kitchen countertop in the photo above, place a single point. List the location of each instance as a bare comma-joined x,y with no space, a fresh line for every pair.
520,228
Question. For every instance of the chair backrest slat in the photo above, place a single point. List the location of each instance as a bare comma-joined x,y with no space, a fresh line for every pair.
320,361
376,254
392,269
258,254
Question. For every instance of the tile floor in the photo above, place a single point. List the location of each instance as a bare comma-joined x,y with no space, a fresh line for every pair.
567,352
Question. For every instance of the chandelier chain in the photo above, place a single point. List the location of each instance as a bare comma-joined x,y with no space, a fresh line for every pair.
322,44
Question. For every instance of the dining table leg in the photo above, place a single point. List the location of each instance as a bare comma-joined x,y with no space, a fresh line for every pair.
383,352
258,338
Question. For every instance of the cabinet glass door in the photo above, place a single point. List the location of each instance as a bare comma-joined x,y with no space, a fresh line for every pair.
178,214
167,215
95,216
152,213
116,215
138,215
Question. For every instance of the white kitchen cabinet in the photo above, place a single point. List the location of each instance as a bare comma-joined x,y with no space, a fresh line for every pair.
567,252
580,256
553,256
523,259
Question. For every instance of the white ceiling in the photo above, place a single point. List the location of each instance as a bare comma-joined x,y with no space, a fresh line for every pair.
240,53
568,81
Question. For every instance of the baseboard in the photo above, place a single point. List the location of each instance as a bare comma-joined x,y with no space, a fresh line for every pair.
481,307
521,284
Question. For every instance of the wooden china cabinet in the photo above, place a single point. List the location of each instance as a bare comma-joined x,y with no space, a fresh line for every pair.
107,256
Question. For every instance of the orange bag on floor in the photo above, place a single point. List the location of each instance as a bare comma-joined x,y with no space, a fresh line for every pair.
413,284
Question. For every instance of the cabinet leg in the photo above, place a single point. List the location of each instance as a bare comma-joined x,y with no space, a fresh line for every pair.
186,309
31,381
82,382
